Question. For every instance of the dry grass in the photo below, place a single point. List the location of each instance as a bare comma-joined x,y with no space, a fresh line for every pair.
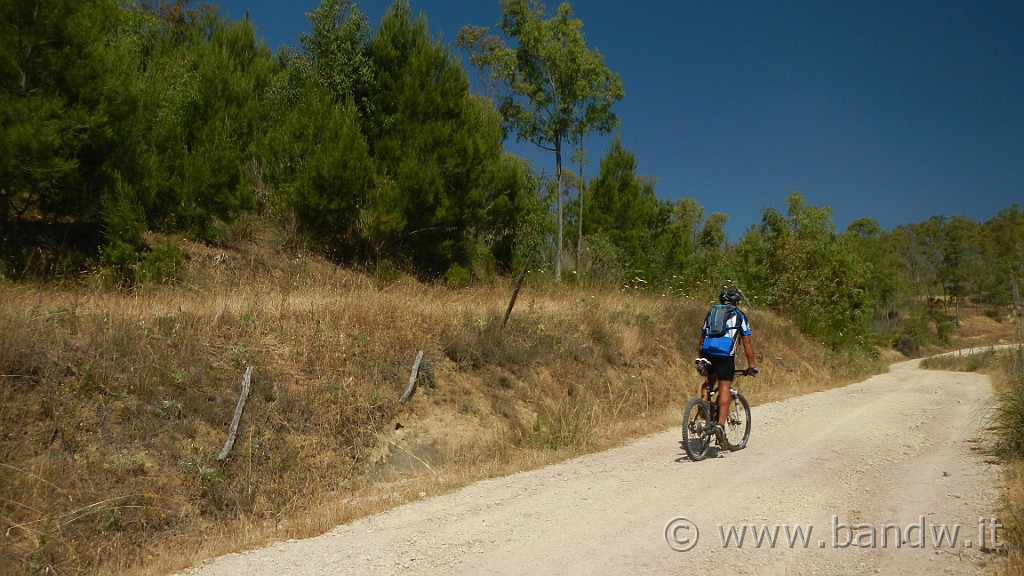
1012,517
114,406
1007,419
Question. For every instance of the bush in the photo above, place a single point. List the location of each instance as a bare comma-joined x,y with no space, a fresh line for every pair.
161,264
603,262
994,314
906,345
123,225
457,277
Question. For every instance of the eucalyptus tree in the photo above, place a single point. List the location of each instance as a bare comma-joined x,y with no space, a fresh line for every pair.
552,86
883,268
690,251
335,51
958,255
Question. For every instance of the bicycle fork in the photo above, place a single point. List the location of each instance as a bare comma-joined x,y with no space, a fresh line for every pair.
733,416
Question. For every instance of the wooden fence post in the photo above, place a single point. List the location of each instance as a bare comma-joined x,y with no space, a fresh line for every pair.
515,291
238,414
412,377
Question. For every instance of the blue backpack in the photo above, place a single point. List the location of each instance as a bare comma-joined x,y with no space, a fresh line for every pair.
718,318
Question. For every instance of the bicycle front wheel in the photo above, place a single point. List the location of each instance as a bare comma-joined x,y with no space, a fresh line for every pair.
696,436
737,423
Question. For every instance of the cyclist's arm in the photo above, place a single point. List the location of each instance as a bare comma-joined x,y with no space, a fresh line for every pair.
748,351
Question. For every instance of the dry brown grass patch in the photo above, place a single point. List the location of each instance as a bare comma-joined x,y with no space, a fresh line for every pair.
114,405
1011,515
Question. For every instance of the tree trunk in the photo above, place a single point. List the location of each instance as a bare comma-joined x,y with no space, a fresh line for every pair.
558,241
515,291
5,223
579,236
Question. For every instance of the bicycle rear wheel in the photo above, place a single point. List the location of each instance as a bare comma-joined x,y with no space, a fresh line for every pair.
696,437
737,423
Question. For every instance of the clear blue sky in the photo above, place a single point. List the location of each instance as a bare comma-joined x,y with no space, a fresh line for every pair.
891,110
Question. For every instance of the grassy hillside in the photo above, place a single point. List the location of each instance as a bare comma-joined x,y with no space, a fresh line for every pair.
115,405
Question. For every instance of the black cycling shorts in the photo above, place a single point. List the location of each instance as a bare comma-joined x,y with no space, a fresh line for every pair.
723,366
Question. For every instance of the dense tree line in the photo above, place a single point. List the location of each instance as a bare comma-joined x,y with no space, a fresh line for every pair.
119,120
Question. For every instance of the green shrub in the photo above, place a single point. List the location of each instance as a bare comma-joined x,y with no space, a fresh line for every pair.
457,277
161,264
907,345
386,272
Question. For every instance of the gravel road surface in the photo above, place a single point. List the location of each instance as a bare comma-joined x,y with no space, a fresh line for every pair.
886,476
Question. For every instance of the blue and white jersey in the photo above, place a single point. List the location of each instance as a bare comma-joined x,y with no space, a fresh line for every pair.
736,326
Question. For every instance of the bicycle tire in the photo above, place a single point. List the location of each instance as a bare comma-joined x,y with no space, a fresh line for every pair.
696,437
737,423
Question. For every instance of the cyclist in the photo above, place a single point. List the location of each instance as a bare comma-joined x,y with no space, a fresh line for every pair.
721,354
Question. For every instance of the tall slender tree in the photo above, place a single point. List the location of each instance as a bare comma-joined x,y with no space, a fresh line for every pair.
552,85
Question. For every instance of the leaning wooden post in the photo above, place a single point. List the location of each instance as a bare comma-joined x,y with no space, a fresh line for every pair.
412,377
238,414
515,291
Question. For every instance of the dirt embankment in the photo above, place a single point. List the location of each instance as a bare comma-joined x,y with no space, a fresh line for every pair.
885,476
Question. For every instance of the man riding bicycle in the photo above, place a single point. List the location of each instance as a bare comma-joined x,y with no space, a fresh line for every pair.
720,353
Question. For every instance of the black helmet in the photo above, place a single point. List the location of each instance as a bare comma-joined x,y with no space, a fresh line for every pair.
729,297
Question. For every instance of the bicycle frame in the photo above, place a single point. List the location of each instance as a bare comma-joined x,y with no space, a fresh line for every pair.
700,415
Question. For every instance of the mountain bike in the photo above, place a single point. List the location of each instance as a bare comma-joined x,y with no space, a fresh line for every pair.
699,418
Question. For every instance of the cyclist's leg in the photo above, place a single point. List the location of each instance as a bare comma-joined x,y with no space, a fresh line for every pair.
707,386
724,398
709,379
725,369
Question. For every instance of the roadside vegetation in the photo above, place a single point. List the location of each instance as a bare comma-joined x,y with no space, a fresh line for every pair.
179,203
1007,430
117,404
1005,439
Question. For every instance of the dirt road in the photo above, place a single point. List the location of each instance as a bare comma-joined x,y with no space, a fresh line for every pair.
864,479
